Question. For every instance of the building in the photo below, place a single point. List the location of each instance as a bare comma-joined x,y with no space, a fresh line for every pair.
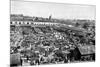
15,60
87,52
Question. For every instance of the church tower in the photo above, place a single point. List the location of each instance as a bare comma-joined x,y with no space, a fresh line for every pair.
50,17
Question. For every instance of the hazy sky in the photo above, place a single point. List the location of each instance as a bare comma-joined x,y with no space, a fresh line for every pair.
41,9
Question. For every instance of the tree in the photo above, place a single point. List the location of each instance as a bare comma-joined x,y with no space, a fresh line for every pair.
85,25
77,24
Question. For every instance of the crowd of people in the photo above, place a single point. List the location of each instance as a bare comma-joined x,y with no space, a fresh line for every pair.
48,44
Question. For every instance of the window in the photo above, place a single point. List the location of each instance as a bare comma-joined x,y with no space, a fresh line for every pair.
19,22
10,22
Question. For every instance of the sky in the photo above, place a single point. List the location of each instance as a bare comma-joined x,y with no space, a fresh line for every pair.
57,10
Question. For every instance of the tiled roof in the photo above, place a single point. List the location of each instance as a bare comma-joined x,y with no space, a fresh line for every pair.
15,59
88,49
